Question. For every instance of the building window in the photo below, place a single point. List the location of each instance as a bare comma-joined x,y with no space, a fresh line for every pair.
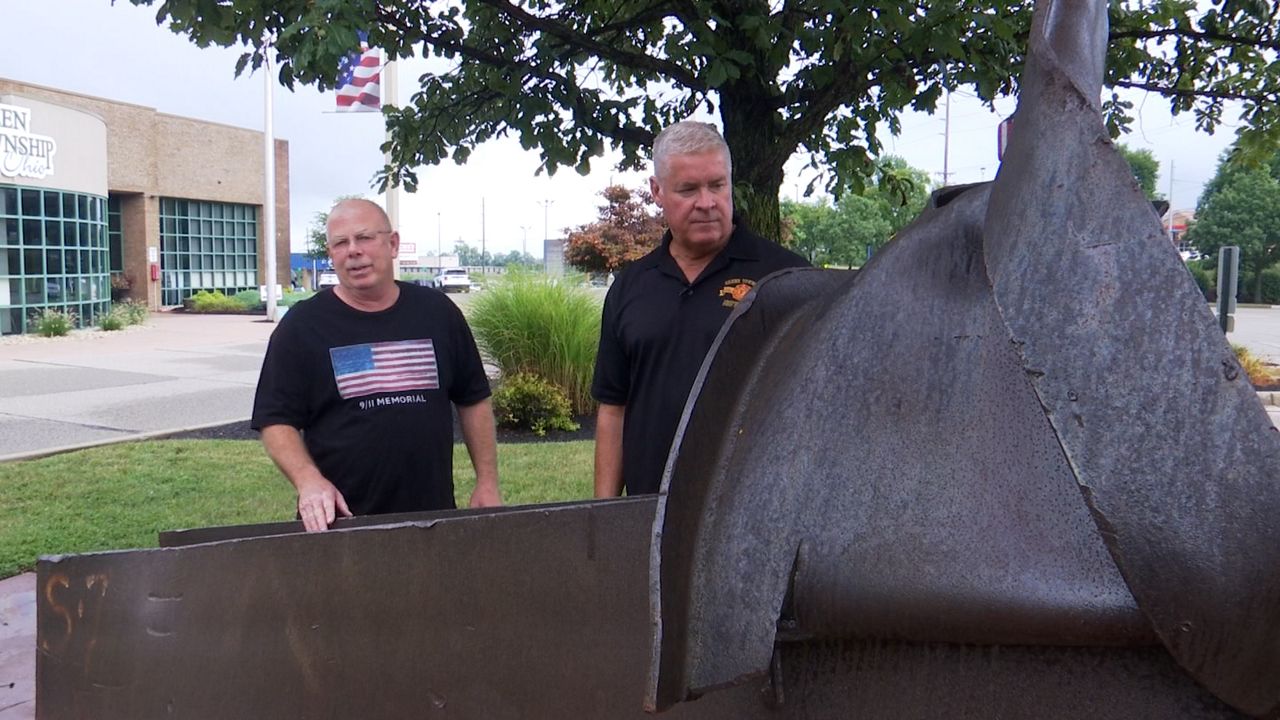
115,235
53,254
206,246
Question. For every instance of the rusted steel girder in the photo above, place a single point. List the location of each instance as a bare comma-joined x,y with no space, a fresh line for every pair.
1017,425
518,613
530,613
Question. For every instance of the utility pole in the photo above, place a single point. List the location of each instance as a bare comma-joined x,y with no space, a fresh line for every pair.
439,242
1171,205
484,261
524,244
946,142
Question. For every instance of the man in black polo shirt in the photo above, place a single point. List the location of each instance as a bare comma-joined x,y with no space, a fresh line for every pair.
664,311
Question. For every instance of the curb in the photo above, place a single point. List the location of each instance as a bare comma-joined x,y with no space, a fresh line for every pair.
151,435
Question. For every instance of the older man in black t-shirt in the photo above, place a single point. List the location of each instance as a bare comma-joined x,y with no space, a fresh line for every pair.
354,400
663,312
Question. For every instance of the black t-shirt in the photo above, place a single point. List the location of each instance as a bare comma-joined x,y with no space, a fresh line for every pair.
655,331
371,393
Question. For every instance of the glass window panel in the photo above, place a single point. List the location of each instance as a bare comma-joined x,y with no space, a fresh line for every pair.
9,231
84,207
53,262
33,262
116,251
8,201
52,204
87,289
72,264
32,234
33,288
31,203
11,261
85,260
13,322
220,279
71,288
69,205
206,279
53,233
15,292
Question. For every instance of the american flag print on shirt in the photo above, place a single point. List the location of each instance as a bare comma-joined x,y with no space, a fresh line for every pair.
384,367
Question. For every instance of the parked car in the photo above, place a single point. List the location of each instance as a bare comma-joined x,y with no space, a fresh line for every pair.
451,280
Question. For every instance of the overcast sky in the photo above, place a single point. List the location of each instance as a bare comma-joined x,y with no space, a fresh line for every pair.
118,52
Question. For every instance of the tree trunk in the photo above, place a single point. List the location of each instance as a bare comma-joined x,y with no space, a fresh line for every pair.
759,152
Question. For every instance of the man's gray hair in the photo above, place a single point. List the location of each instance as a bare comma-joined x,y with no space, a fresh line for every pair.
688,137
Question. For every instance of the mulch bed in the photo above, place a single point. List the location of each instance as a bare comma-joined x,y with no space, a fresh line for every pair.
242,431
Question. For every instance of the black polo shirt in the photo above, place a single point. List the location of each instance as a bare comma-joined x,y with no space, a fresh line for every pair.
655,331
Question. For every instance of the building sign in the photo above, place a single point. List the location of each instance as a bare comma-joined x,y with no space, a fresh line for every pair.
22,153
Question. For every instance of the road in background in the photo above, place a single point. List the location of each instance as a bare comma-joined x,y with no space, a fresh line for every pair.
1258,328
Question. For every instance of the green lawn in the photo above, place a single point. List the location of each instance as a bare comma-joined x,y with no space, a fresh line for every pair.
120,496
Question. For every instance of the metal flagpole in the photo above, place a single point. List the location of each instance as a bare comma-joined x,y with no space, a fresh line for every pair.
269,186
388,93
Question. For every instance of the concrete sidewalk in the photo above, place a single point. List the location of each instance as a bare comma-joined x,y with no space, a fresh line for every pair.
174,372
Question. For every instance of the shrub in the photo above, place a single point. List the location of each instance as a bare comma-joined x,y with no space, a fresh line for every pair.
250,299
1205,280
292,298
113,319
52,322
1259,372
528,401
530,323
205,301
1270,286
135,312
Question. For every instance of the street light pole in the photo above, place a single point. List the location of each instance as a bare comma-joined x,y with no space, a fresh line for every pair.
546,230
439,242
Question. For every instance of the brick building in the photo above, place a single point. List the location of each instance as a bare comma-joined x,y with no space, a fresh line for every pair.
97,195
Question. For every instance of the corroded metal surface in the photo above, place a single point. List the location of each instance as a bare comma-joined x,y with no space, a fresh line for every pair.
533,613
1017,425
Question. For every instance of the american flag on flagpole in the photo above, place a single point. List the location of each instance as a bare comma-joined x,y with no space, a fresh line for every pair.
384,367
358,75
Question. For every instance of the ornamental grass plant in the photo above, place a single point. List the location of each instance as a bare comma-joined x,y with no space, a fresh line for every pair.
538,325
52,322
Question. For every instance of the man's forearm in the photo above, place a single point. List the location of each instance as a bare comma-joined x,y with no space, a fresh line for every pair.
480,436
284,446
608,475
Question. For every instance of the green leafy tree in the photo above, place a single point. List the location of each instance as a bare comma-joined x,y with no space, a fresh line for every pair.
1241,206
1145,169
859,224
803,76
626,231
471,256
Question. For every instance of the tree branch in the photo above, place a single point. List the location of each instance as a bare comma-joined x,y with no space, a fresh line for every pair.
1197,35
586,43
1258,97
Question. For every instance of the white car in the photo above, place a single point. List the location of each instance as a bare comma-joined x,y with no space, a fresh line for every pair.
452,279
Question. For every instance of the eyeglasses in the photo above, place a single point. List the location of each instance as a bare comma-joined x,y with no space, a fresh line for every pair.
361,239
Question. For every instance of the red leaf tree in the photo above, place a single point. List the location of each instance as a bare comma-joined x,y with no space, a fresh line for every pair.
626,231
